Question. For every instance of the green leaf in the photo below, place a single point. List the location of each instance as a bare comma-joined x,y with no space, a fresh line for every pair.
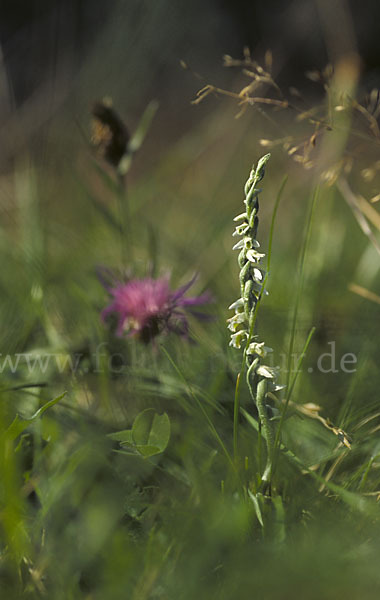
148,451
124,436
18,425
151,432
257,508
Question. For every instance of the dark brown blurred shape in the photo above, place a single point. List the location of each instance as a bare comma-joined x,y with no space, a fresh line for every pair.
109,134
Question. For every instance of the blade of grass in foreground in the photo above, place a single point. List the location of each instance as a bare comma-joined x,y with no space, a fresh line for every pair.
288,396
300,282
296,308
201,408
299,363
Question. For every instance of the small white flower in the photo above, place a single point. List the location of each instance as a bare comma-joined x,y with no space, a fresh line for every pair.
241,229
257,275
267,372
273,387
246,243
237,304
238,245
238,338
259,348
241,216
254,256
235,321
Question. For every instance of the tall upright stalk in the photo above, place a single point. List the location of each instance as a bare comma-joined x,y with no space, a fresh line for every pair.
260,378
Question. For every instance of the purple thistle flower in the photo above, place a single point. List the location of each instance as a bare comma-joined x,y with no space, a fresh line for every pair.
147,307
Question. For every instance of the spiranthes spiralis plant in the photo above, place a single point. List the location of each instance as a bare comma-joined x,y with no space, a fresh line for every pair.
261,378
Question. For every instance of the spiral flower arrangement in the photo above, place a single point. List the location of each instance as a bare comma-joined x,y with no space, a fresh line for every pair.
260,377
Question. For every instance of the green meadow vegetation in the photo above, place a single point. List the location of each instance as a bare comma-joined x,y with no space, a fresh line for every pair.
136,461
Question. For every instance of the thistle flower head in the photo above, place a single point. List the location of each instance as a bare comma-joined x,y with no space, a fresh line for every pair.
146,307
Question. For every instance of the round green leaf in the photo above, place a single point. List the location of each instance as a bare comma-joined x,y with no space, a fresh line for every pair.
151,429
